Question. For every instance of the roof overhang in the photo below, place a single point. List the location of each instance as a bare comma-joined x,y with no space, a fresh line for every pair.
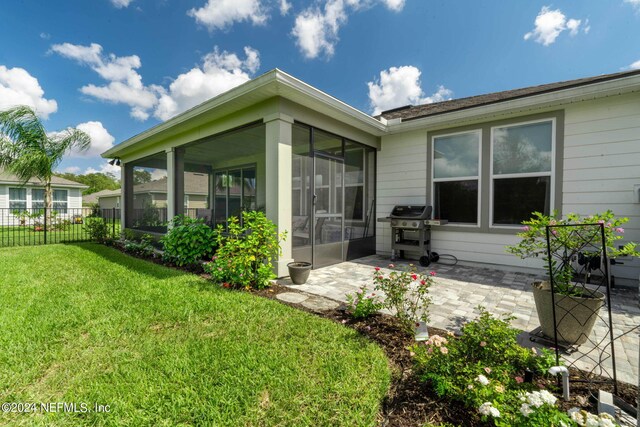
38,184
532,103
275,83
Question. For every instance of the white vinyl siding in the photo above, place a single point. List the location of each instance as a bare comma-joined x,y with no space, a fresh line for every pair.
602,165
402,179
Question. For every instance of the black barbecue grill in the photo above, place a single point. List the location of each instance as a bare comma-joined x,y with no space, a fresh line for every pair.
410,232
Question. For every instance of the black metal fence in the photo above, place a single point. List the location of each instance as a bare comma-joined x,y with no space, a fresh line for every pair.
41,226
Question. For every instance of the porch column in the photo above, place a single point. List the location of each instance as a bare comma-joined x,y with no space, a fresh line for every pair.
126,195
172,182
179,181
278,182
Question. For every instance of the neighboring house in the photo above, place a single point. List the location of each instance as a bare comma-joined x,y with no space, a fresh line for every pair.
16,196
325,172
92,199
154,193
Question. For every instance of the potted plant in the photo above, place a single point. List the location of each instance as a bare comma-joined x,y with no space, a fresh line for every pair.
576,305
299,272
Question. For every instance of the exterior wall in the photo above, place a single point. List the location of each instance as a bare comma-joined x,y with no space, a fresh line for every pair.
4,196
74,202
197,201
108,202
600,165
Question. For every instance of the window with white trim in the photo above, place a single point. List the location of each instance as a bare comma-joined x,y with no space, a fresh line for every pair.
37,199
60,204
17,199
521,171
456,177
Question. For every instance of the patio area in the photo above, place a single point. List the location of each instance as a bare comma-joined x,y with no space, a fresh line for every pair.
459,289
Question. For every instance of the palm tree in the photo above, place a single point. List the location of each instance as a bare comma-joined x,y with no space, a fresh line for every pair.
27,151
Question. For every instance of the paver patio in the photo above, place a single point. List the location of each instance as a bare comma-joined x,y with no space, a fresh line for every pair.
459,289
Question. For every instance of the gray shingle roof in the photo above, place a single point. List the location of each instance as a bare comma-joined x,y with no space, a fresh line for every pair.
55,180
425,110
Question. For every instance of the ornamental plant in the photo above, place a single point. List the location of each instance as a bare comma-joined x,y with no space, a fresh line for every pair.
406,294
572,242
363,304
97,229
484,369
188,241
245,252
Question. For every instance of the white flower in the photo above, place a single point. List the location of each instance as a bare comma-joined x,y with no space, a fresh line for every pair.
526,410
482,380
547,397
487,408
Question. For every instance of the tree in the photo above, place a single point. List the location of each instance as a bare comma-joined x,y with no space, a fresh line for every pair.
28,152
97,181
141,176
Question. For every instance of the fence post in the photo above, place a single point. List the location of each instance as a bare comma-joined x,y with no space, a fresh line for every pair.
113,223
44,230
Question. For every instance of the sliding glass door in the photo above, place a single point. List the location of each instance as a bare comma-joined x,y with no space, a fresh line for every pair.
328,219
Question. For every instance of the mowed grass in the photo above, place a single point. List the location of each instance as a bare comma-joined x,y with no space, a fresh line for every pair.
86,324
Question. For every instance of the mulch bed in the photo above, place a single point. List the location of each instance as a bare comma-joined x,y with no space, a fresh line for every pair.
410,402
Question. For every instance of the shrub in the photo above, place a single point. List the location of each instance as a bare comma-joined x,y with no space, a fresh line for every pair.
97,229
409,305
361,305
144,247
188,241
245,253
485,368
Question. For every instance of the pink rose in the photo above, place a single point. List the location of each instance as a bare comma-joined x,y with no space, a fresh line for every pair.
444,350
432,273
620,230
391,266
525,228
519,380
423,282
377,269
414,277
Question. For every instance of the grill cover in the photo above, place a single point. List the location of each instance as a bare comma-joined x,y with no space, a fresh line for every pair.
411,212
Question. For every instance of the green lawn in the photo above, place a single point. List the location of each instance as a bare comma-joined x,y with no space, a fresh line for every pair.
26,236
86,324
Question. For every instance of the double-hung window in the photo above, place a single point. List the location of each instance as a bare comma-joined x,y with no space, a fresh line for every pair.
17,199
456,177
521,171
37,199
60,201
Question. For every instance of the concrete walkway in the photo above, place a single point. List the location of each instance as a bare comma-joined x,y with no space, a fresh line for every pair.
459,289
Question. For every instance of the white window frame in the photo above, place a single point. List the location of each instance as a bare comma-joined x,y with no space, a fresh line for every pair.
478,178
551,174
53,202
9,199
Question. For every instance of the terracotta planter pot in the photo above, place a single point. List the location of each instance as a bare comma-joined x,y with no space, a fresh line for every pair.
299,272
575,315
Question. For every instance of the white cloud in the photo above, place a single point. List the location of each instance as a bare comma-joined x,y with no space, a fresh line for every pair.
125,84
219,72
105,168
72,169
220,14
121,3
316,29
635,65
549,24
400,86
285,6
395,5
101,139
18,87
45,36
634,3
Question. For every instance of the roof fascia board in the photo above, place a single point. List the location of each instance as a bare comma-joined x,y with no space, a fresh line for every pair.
533,102
33,184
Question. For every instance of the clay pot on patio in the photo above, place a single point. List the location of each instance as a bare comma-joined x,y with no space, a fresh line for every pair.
575,315
299,272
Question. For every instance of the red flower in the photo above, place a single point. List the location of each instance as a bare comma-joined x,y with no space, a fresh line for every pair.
423,282
432,273
414,276
377,268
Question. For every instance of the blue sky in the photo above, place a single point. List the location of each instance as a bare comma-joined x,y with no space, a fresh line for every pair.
117,67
